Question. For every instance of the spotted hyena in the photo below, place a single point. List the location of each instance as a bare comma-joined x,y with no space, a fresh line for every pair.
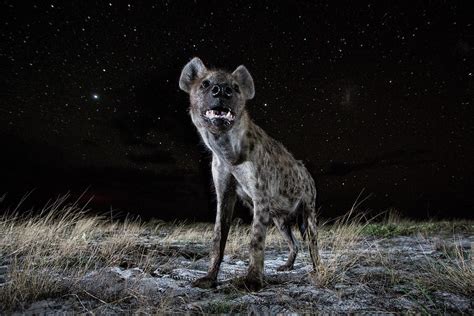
250,165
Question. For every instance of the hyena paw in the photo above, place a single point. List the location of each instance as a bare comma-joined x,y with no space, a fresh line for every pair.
285,267
248,283
205,282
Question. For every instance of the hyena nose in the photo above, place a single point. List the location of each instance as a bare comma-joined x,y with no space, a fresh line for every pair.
228,92
218,91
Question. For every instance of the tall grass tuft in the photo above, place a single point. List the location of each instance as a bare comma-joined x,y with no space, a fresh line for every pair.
48,253
454,273
340,240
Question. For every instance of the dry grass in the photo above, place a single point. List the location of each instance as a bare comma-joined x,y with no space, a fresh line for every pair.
393,224
340,239
454,273
48,253
340,242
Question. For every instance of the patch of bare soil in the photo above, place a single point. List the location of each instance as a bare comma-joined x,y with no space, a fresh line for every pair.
385,275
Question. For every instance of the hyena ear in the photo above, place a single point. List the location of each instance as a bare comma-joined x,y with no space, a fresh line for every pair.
192,71
243,77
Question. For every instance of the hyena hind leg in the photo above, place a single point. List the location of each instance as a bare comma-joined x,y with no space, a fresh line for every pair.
285,230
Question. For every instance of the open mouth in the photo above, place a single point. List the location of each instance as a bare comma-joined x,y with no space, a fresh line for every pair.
220,113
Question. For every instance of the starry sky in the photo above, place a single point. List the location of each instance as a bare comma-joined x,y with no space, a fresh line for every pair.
371,96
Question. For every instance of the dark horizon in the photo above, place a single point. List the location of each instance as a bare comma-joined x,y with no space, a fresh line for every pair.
370,97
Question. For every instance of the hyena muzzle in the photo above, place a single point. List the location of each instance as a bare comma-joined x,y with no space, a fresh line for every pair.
250,165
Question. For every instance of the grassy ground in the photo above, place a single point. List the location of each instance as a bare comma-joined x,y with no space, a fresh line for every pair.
56,254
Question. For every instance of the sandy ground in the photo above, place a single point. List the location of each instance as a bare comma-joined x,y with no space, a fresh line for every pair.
386,275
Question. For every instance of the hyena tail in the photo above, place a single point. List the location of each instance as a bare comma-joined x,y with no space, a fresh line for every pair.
312,233
308,226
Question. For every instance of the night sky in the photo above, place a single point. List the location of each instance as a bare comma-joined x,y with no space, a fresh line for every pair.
369,95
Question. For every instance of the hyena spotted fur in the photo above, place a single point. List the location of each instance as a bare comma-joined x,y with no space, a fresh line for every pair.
250,165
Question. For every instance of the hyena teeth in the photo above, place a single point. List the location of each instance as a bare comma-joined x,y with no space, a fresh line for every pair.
219,114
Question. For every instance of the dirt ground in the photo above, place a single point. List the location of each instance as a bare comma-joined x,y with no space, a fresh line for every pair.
377,274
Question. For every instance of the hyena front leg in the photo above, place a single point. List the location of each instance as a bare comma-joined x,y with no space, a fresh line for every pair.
253,281
225,187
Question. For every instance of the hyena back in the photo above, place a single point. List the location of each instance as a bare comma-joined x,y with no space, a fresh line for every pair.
250,165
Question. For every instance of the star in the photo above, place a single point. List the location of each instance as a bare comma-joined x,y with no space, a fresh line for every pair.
95,96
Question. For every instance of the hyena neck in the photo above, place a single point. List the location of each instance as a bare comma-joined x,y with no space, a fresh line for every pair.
232,146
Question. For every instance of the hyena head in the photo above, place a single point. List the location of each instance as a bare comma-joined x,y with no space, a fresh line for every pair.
217,97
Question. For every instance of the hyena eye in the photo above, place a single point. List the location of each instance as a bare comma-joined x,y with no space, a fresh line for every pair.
236,88
205,84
